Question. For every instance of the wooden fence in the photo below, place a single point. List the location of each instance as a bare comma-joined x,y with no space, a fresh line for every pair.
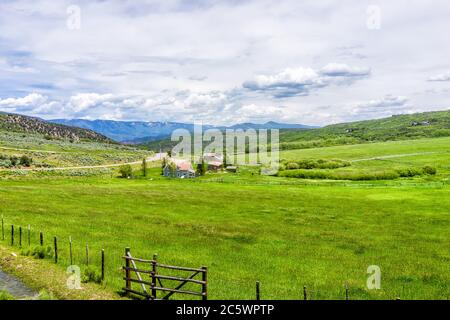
54,252
154,288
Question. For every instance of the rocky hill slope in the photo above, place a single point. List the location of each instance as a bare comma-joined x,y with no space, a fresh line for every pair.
25,124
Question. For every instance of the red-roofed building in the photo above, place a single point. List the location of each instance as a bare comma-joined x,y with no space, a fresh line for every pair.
178,169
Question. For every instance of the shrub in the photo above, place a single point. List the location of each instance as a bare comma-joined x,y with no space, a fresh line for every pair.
14,160
25,161
292,166
409,172
316,164
5,163
429,170
202,168
323,174
305,174
91,275
39,252
44,295
5,295
126,171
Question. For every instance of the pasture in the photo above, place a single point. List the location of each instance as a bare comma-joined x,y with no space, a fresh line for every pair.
286,235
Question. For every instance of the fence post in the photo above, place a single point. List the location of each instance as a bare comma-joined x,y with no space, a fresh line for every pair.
12,235
305,293
70,250
127,271
20,236
153,274
103,264
41,238
205,283
258,297
29,235
56,249
87,254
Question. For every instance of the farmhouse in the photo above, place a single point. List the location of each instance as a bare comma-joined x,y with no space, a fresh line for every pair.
210,157
178,169
214,165
214,161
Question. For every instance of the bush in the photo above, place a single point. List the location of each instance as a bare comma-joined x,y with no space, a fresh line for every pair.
292,166
5,163
316,164
91,275
126,171
25,161
44,295
39,252
14,160
5,295
330,175
409,172
429,170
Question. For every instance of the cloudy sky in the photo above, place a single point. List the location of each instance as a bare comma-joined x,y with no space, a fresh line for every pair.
224,62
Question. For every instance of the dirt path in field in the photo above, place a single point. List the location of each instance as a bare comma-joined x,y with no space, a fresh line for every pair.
394,156
33,150
156,157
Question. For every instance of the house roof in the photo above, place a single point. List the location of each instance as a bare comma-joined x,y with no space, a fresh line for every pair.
181,164
215,156
184,166
215,163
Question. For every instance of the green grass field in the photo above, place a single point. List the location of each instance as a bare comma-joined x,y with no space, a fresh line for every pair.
284,232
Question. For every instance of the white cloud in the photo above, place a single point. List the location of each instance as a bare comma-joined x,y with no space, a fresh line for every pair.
32,104
83,101
343,70
174,60
300,81
29,101
440,77
258,113
209,107
388,101
379,108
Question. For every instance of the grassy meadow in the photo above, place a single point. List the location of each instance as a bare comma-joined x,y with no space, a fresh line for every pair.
284,232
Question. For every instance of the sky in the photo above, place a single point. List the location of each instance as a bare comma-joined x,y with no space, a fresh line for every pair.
224,62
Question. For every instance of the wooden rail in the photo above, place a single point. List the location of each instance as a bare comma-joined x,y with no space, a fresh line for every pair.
155,284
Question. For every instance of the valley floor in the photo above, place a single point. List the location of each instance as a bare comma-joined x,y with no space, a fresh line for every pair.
286,236
284,232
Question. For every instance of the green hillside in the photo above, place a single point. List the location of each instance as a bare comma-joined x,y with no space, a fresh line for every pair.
31,143
398,127
30,125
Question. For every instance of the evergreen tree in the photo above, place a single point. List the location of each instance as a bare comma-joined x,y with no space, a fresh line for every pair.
163,165
144,167
225,163
202,167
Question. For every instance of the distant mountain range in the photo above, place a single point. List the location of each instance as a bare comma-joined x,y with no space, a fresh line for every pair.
140,131
398,127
